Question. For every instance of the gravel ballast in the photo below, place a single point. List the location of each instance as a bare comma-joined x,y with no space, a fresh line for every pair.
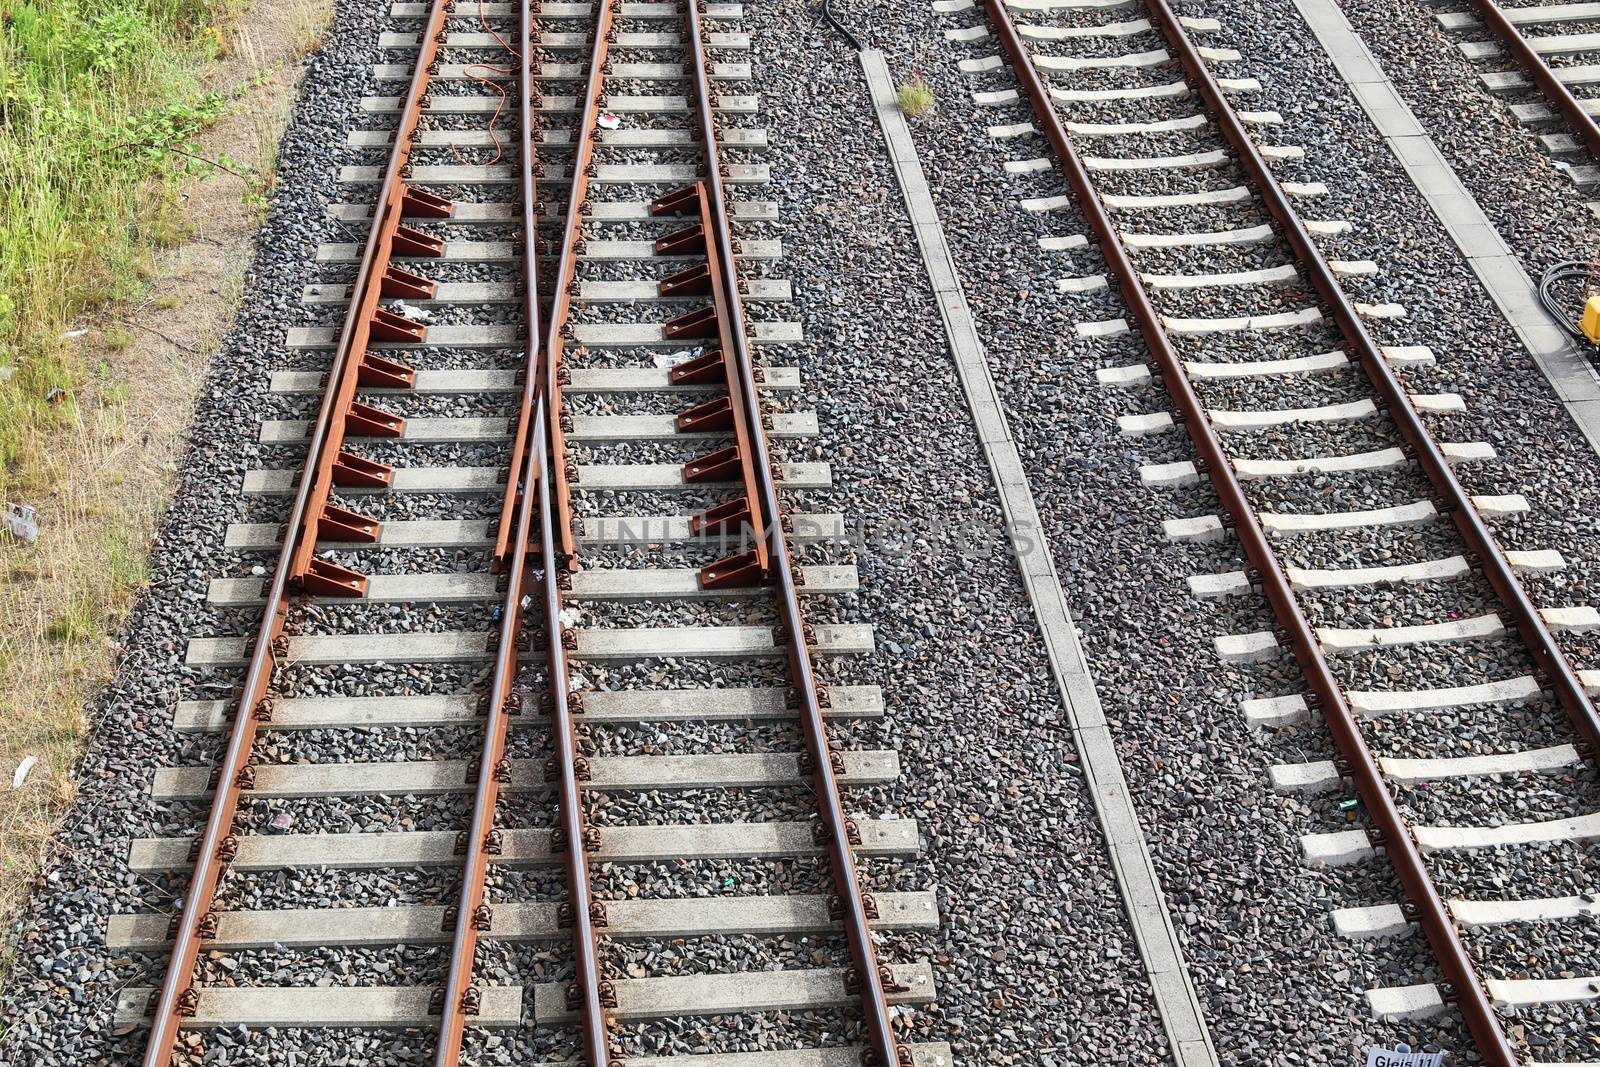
1033,961
1225,844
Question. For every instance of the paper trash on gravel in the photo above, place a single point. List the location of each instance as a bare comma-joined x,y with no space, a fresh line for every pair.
411,311
608,121
668,360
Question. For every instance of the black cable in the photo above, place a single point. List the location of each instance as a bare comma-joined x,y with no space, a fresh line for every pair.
827,13
1556,274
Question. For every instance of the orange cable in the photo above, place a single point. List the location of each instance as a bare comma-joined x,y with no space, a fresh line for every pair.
498,87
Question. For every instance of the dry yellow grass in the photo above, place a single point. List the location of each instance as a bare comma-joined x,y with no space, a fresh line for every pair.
101,475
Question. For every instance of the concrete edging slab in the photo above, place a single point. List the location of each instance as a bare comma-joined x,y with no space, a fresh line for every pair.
1470,230
1142,896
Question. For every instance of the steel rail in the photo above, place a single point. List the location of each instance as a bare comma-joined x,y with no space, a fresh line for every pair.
1555,91
566,284
825,763
1555,670
593,994
743,515
1389,828
216,843
473,915
353,364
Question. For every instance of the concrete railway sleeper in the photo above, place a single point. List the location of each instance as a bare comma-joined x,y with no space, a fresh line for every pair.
311,516
530,325
1557,65
1172,338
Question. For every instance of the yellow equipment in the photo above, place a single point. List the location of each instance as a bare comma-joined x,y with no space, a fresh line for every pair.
1590,323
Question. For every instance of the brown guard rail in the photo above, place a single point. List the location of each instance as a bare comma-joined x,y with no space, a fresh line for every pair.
296,571
836,832
529,470
1555,91
592,994
1357,761
742,516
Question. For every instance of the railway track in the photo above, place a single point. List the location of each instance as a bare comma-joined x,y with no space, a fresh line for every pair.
514,669
1397,621
1543,59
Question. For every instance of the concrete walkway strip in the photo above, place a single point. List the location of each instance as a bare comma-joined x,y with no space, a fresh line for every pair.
528,848
616,706
1573,379
424,924
1143,899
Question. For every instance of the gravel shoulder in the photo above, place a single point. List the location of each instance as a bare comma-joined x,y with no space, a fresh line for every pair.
101,483
64,982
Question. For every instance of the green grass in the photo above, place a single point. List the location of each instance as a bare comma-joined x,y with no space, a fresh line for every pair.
915,98
98,103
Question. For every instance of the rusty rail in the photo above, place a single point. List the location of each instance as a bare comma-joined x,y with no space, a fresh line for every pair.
296,571
1570,107
566,284
523,508
836,831
1357,760
723,321
1556,671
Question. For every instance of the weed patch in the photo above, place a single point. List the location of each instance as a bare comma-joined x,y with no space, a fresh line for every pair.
99,108
914,98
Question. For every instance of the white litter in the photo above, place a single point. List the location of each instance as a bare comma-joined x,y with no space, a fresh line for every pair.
668,360
570,617
75,333
23,522
20,775
608,121
258,570
576,682
411,311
